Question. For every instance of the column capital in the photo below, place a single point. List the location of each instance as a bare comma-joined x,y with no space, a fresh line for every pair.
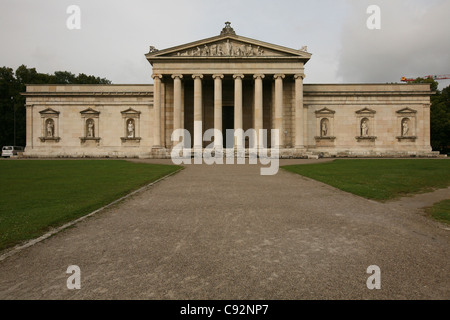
154,76
215,76
259,75
200,76
276,76
180,76
235,76
298,75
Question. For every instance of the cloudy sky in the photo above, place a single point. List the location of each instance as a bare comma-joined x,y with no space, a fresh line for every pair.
115,35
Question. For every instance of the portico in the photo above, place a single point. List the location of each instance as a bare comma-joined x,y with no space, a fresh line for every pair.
228,71
193,102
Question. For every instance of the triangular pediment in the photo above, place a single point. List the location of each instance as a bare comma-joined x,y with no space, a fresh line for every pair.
325,111
90,111
228,46
49,111
406,110
365,111
130,111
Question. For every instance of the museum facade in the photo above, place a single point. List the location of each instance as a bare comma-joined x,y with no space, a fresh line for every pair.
228,82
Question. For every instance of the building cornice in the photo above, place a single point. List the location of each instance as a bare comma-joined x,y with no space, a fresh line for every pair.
86,94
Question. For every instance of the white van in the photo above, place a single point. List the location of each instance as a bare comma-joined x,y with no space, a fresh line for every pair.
8,151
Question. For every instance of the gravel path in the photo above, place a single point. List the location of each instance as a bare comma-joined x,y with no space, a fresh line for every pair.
226,232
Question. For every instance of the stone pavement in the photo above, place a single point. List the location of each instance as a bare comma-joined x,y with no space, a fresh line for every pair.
226,232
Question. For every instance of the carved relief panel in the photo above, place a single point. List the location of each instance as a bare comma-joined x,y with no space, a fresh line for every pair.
228,48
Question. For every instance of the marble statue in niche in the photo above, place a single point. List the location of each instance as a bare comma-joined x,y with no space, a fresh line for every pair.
130,129
365,127
405,127
90,130
324,127
50,128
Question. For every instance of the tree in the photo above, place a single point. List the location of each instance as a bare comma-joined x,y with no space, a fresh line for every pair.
433,84
12,103
439,116
440,121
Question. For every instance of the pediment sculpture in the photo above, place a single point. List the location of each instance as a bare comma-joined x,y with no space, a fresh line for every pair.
225,48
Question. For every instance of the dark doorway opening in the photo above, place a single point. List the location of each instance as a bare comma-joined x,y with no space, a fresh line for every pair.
227,123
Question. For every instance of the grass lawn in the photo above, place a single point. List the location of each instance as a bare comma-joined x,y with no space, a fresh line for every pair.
39,194
379,179
440,211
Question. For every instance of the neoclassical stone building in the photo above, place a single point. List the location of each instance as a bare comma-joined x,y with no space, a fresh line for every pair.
228,82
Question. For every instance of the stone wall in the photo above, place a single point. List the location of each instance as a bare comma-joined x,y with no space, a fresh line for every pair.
59,116
382,106
71,108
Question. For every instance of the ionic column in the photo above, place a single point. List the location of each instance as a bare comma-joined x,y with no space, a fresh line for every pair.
238,107
279,107
177,101
198,117
157,110
218,107
258,106
299,143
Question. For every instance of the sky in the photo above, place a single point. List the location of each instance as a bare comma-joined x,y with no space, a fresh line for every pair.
412,40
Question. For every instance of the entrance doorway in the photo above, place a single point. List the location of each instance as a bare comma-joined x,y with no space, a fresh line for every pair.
227,123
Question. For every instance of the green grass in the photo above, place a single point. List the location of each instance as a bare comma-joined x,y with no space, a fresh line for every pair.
440,211
380,179
37,195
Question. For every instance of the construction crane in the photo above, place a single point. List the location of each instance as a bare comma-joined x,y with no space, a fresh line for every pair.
434,77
